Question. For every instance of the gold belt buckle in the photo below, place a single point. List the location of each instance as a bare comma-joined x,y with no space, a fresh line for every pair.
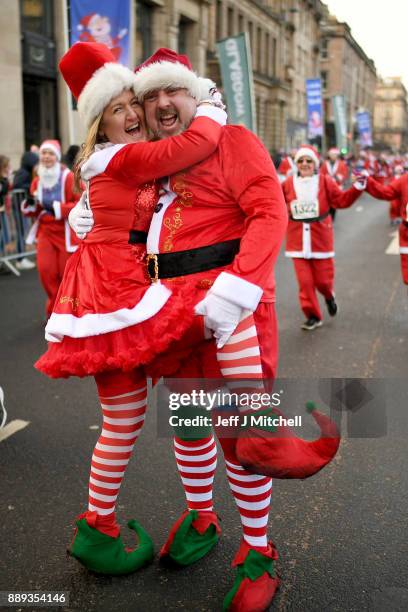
149,258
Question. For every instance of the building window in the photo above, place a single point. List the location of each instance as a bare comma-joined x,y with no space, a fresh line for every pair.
241,27
324,48
218,25
260,50
37,16
144,28
185,36
230,21
274,56
325,80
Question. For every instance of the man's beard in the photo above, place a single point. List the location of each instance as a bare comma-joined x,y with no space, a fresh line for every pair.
49,177
158,134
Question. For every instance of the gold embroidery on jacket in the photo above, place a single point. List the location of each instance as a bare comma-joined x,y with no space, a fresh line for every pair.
73,301
175,220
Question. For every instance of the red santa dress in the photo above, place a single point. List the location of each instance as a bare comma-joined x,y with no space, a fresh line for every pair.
108,315
310,236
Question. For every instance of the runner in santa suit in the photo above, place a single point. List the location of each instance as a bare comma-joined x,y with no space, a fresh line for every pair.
108,317
207,238
395,205
396,190
52,196
310,241
335,167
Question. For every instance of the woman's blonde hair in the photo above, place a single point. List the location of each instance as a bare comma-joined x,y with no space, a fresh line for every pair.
87,148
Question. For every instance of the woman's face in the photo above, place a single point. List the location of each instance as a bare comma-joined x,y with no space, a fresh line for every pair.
123,120
48,158
305,166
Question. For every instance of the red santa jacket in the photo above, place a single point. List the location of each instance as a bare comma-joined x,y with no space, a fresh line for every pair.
338,171
47,224
397,189
234,193
310,230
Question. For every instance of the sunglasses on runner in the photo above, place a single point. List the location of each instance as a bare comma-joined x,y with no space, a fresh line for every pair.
305,160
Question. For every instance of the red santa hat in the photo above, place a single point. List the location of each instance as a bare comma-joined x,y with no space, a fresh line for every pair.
166,68
86,22
94,77
308,151
333,151
52,145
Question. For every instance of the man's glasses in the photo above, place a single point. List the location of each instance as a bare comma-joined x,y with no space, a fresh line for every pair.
305,160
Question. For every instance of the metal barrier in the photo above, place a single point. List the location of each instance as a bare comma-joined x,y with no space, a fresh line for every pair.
14,227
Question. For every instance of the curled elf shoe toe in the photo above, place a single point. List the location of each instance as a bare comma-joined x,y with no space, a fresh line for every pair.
256,582
106,554
193,536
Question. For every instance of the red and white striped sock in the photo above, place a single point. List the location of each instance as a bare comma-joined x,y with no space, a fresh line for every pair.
123,418
252,494
240,356
196,463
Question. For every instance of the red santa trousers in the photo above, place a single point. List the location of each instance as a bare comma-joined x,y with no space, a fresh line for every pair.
51,259
314,275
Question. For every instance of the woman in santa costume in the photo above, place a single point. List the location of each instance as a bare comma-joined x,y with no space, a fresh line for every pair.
52,196
108,318
309,197
397,190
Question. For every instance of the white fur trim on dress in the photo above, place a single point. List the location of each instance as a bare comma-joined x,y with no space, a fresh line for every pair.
104,85
237,290
57,209
94,324
163,75
98,161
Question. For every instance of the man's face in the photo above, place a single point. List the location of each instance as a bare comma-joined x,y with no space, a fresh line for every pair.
169,111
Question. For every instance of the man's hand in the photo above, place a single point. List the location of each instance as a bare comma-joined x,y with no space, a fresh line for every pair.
220,315
81,218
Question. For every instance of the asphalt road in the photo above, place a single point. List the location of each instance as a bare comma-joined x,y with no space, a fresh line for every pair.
341,535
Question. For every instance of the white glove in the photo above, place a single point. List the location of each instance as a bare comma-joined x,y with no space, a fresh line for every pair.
220,315
81,218
360,182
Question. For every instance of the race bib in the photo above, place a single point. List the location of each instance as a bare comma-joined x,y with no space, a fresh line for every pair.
303,210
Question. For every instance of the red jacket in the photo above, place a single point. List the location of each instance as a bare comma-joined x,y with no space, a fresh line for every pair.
338,171
47,224
234,193
397,189
313,240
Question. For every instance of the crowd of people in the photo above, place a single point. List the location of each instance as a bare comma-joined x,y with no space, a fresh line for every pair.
151,249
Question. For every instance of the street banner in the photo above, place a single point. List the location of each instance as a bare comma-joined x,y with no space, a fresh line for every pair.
364,129
340,121
237,79
102,21
314,108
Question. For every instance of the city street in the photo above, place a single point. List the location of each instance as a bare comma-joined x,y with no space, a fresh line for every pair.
341,535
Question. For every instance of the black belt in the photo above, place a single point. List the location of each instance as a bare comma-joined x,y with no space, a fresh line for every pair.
137,237
312,219
182,263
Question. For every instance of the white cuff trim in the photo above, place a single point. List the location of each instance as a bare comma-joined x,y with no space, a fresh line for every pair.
212,112
237,290
310,255
94,324
403,250
360,186
57,209
99,161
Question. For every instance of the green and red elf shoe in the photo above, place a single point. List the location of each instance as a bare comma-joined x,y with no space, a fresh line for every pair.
277,452
106,554
256,582
192,536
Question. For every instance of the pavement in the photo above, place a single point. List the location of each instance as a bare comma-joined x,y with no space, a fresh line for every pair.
341,535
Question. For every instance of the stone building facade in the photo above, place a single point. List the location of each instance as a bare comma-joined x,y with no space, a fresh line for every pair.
391,115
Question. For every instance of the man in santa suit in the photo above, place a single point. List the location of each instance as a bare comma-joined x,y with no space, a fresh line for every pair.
396,190
51,199
287,167
335,167
309,197
209,233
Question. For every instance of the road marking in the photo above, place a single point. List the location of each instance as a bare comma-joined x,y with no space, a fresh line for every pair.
12,428
393,247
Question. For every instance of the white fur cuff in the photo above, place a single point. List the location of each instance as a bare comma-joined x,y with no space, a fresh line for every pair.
237,290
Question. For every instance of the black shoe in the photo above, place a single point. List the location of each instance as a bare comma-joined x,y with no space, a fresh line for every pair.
331,306
312,323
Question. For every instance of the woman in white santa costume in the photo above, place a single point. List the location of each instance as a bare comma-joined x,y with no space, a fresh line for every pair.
52,197
309,197
108,318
